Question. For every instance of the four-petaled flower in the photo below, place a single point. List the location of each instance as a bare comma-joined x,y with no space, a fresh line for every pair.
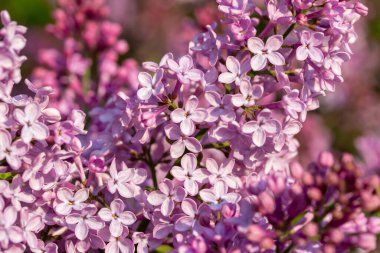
117,216
32,128
173,132
235,71
12,152
310,41
126,182
248,94
151,86
84,221
8,230
166,196
219,195
189,173
264,53
192,215
70,201
260,128
222,172
221,107
184,69
188,116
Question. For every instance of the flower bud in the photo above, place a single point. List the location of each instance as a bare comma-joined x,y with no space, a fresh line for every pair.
296,170
361,9
267,203
326,159
96,164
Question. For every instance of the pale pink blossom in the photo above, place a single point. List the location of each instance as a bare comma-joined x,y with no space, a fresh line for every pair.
166,197
265,52
117,216
189,173
189,116
311,41
32,128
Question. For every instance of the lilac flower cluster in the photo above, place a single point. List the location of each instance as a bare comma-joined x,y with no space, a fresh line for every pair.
200,157
85,72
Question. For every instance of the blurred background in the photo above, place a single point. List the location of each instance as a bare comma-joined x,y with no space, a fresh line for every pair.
348,121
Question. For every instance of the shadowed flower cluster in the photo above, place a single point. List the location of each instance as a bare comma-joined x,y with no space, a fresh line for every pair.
200,156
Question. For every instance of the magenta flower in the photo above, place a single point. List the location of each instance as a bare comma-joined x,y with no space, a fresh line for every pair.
184,69
260,128
126,182
173,132
151,86
189,173
166,196
29,120
264,53
84,221
117,216
248,94
219,195
8,230
12,152
221,107
222,173
310,42
188,116
70,201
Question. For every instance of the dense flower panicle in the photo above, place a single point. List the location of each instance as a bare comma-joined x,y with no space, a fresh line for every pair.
86,72
200,157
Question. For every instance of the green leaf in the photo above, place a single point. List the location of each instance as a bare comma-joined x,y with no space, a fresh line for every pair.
7,175
163,249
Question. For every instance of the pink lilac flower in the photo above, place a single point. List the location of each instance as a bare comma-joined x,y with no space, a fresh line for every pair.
8,231
126,182
184,69
31,224
84,221
151,86
166,196
219,195
235,71
248,94
181,141
28,118
189,173
311,41
117,244
70,201
189,115
260,128
221,107
191,218
265,52
42,248
222,172
117,216
17,194
12,152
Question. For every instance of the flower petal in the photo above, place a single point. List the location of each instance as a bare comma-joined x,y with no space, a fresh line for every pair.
258,62
255,45
259,137
274,43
